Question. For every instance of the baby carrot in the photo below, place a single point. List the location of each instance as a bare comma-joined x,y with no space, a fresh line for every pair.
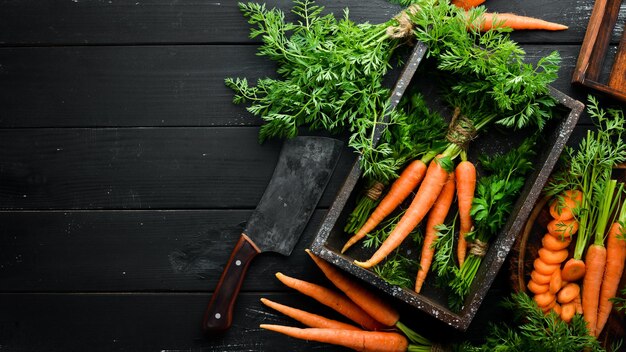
306,318
544,299
564,205
556,282
369,341
573,270
562,228
400,189
537,288
544,268
434,180
553,257
436,217
568,293
567,311
553,243
540,278
334,300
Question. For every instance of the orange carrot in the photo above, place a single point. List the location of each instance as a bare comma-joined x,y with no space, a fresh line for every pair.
595,261
550,257
615,257
369,341
557,309
467,4
466,185
567,311
364,298
545,268
308,319
564,205
434,180
400,189
537,288
547,308
568,293
553,243
332,299
573,270
562,228
516,22
556,282
544,299
540,278
436,217
579,304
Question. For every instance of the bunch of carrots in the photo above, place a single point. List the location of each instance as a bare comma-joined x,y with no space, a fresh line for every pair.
378,327
438,182
585,205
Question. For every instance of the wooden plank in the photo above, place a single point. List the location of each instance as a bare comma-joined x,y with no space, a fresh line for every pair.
171,322
110,251
49,22
150,85
125,86
140,168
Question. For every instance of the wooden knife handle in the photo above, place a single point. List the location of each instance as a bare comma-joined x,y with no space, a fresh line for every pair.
219,314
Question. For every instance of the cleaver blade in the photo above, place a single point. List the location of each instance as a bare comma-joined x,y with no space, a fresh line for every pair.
304,167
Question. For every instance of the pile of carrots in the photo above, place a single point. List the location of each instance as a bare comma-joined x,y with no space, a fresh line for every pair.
557,287
377,328
437,185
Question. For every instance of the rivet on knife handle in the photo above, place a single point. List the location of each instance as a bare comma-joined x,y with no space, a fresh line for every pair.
219,314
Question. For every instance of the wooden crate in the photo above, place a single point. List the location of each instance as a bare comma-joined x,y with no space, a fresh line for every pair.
331,237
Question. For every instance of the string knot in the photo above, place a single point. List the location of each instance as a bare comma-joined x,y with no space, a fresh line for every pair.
478,248
405,26
461,130
375,191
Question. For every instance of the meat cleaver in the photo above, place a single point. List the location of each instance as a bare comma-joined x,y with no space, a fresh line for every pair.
304,167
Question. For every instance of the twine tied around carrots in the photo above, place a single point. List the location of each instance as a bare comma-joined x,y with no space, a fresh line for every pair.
478,248
375,191
404,27
461,130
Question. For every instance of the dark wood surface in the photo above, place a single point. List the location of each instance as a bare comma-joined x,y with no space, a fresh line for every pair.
126,173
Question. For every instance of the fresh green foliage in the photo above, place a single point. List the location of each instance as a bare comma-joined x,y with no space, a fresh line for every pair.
488,69
398,270
413,131
588,169
496,193
331,73
443,261
536,332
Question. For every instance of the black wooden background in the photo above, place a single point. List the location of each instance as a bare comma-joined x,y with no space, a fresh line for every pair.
126,173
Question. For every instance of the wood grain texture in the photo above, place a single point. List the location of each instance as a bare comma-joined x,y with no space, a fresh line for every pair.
141,322
152,85
113,251
140,168
79,22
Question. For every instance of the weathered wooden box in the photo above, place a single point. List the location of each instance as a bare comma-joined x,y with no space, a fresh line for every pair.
432,300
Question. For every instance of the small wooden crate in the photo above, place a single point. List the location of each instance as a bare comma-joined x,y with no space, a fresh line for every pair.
331,237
